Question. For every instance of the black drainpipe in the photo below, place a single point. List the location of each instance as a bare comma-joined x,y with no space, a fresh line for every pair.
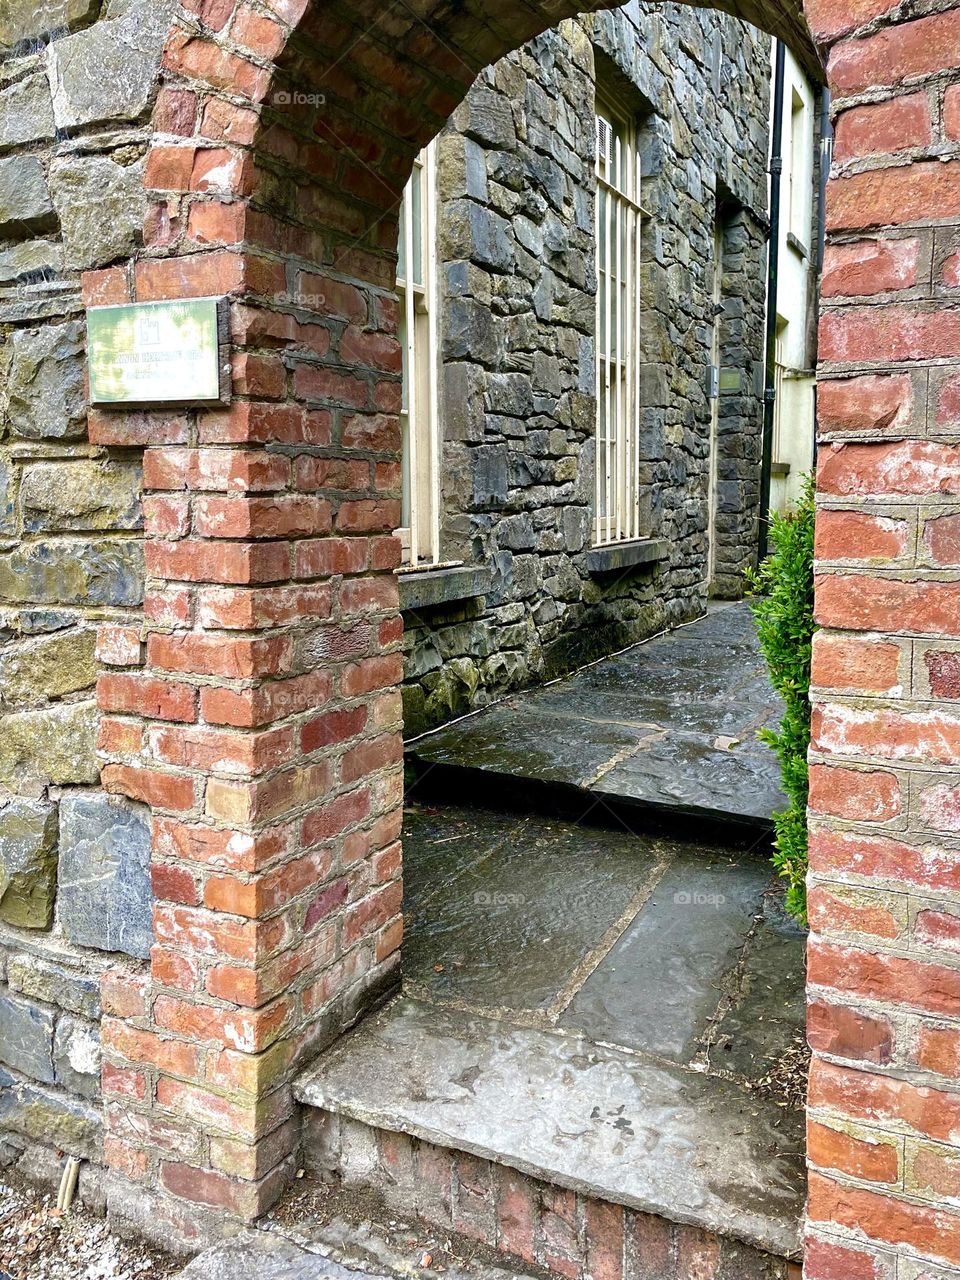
773,274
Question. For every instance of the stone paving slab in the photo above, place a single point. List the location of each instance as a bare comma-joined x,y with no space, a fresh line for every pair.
507,912
670,725
660,986
675,948
267,1258
692,776
614,1125
322,1247
770,1009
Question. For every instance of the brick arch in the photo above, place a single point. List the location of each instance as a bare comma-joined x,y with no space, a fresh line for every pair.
258,713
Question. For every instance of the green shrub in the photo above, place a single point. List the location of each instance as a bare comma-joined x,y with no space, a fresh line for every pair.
783,611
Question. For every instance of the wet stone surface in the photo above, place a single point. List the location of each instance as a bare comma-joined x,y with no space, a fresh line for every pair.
504,911
670,725
609,1124
606,1009
677,949
659,988
768,1010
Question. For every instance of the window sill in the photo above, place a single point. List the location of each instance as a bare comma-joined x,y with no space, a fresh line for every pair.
780,469
797,245
626,555
427,588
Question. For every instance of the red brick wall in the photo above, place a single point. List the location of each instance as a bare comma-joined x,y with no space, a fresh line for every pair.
257,711
884,963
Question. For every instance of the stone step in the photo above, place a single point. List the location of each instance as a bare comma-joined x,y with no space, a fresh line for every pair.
667,729
332,1250
579,1158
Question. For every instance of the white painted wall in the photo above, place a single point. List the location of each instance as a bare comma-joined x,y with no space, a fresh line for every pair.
793,443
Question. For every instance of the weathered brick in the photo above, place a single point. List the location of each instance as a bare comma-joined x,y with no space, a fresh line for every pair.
898,53
842,1032
866,404
884,127
858,537
854,794
890,332
885,1219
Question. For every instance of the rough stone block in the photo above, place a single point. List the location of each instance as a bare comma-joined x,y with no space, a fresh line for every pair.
22,20
25,203
76,1056
8,488
463,405
26,112
470,230
462,169
85,494
57,744
72,1126
42,979
31,260
490,475
26,1038
486,116
470,332
108,72
105,900
101,205
45,397
98,572
48,667
28,863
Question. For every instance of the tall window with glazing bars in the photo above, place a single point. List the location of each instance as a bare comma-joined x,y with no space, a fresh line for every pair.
420,420
619,234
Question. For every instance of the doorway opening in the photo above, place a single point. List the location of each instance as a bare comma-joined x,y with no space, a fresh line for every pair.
588,811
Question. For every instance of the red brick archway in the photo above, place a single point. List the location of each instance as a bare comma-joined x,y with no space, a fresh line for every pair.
258,712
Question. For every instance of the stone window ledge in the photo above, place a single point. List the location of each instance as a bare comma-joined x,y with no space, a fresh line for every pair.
427,588
797,245
625,555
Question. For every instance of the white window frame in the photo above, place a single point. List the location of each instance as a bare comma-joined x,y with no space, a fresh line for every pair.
781,370
800,146
716,357
619,220
419,335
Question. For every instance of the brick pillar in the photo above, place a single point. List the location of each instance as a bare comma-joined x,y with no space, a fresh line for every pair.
884,959
258,714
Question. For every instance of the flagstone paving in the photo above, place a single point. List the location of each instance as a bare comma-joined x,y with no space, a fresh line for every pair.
603,1003
669,726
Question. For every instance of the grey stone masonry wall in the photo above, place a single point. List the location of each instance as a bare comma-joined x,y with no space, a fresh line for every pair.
517,243
76,79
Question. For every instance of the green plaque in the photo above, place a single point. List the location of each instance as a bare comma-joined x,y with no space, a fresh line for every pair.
157,352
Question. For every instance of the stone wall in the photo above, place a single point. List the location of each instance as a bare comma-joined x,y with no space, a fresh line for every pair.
76,88
518,318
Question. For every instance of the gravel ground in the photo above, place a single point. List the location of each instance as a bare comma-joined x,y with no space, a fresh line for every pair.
38,1242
